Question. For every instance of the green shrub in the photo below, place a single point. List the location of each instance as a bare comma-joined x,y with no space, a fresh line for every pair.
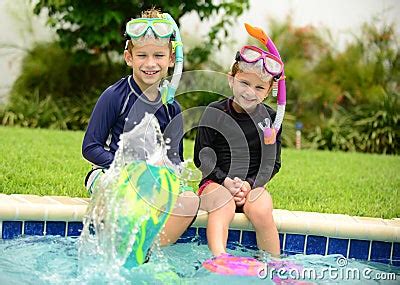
373,128
63,113
58,89
379,127
51,70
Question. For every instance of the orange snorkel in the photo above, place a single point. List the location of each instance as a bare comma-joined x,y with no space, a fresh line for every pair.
256,33
270,133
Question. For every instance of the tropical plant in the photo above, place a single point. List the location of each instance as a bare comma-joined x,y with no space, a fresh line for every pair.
373,128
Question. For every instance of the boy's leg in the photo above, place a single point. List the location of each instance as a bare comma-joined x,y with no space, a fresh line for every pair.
258,208
90,179
219,203
182,216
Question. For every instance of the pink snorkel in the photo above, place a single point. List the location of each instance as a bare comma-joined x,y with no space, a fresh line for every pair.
270,132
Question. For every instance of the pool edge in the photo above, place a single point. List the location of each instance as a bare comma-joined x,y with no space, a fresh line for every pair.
365,238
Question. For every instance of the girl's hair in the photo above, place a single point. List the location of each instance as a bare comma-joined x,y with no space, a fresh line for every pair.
150,13
235,68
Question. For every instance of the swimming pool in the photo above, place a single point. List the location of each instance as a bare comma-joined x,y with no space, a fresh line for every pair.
54,260
39,245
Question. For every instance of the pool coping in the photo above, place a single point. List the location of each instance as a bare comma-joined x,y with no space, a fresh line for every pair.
19,207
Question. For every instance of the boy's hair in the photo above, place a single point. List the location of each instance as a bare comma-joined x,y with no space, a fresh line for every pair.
236,69
150,13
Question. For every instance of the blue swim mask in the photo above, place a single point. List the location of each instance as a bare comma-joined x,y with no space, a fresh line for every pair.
162,28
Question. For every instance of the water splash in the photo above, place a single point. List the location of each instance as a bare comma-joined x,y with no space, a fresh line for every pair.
132,200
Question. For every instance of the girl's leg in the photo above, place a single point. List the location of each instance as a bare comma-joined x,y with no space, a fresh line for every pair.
218,202
181,217
258,208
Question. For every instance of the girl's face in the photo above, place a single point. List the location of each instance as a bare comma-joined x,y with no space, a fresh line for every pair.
248,90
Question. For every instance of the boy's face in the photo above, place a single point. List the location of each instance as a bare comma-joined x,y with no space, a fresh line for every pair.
248,89
150,63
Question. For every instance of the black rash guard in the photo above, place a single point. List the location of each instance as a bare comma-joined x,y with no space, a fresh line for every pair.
231,144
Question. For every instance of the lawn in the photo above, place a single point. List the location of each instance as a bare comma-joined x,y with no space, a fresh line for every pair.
48,162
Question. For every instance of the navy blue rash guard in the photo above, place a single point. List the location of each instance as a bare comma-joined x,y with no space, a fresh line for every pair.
109,116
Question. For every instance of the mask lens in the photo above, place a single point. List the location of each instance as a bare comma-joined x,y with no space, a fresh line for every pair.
162,29
136,29
272,65
256,68
250,55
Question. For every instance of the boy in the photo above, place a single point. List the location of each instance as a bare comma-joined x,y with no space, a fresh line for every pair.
149,55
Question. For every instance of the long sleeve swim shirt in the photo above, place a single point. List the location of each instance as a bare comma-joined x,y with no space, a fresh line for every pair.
124,102
231,144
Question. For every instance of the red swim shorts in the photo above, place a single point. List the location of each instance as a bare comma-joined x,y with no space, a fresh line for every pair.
203,186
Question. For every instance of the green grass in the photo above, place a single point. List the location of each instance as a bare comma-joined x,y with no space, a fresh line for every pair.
48,162
337,182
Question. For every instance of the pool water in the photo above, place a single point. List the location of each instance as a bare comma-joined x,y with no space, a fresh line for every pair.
55,260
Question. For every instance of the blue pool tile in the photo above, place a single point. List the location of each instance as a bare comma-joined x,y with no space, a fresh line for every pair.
187,236
202,235
34,228
294,244
316,245
396,254
74,229
233,239
11,229
234,236
190,233
359,249
55,228
249,239
231,245
380,251
281,237
338,246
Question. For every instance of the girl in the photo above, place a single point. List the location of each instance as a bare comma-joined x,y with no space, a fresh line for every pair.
236,156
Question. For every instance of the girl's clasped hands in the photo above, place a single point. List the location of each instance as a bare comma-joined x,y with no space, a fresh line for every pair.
238,188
